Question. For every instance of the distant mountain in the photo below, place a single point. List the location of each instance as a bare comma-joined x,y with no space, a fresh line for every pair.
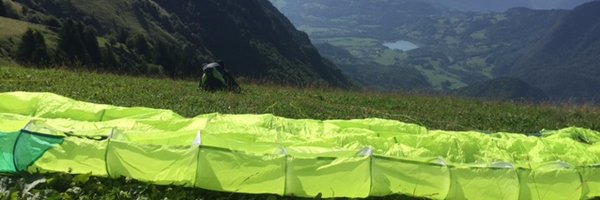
363,14
502,89
253,38
566,62
455,48
478,5
356,23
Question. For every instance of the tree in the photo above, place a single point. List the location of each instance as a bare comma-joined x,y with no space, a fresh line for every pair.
2,9
40,53
24,11
33,49
139,44
122,36
26,47
163,56
91,45
70,43
109,58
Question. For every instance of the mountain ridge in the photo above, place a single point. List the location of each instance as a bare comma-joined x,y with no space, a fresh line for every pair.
252,37
503,89
565,63
499,6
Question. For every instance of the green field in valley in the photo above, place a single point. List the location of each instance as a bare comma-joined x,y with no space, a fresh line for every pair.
183,96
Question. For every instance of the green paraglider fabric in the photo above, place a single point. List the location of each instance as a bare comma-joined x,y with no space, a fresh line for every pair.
7,163
44,132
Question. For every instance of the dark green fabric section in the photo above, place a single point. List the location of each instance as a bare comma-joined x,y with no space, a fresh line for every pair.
6,151
31,146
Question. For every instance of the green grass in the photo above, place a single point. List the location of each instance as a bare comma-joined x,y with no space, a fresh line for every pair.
314,29
12,30
479,35
367,48
354,42
113,10
437,76
183,97
388,57
120,13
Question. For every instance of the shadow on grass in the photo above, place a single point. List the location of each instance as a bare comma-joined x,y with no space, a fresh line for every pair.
67,186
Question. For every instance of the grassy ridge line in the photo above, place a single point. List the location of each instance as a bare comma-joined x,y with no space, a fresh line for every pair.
183,97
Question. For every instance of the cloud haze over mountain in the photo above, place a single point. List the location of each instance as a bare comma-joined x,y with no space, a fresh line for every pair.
501,5
550,4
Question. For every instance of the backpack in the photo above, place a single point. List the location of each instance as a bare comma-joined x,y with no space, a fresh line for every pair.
215,78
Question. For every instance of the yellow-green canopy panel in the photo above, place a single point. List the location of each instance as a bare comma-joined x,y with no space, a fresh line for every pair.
43,132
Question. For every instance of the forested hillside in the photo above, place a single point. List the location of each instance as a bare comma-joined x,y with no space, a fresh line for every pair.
162,37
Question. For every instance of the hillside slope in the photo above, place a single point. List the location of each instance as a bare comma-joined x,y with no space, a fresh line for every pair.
565,64
503,89
252,37
11,31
